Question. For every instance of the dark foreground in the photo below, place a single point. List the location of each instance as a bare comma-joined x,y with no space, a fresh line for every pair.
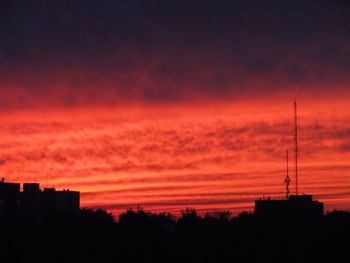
92,236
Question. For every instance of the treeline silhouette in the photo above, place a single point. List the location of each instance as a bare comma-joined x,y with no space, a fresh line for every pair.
141,236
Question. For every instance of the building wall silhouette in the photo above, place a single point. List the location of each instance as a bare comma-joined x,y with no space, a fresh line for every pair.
296,206
9,197
34,202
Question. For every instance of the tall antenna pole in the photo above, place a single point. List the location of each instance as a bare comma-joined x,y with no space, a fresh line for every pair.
296,147
287,179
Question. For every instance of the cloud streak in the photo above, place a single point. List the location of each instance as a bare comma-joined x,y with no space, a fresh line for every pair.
134,101
115,160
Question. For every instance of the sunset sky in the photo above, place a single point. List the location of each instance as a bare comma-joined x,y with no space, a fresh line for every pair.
175,104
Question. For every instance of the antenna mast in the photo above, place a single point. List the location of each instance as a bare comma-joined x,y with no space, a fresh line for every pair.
296,147
287,179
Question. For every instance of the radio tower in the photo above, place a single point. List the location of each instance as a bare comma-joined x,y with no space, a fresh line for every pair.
287,179
296,147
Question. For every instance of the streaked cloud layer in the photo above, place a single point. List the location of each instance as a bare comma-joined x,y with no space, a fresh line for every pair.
179,158
170,104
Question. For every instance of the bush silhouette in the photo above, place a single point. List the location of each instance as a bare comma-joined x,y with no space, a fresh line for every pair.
142,236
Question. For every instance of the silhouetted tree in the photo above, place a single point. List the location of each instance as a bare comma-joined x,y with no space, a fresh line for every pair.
338,215
189,215
244,216
140,218
218,216
141,236
135,217
98,216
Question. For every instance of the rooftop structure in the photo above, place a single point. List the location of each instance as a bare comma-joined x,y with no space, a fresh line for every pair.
33,201
294,205
297,206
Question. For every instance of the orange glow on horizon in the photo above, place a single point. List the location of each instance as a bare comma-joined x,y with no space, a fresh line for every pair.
213,155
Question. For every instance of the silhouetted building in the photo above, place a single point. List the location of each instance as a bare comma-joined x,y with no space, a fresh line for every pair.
296,206
9,196
34,202
31,187
65,200
31,200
